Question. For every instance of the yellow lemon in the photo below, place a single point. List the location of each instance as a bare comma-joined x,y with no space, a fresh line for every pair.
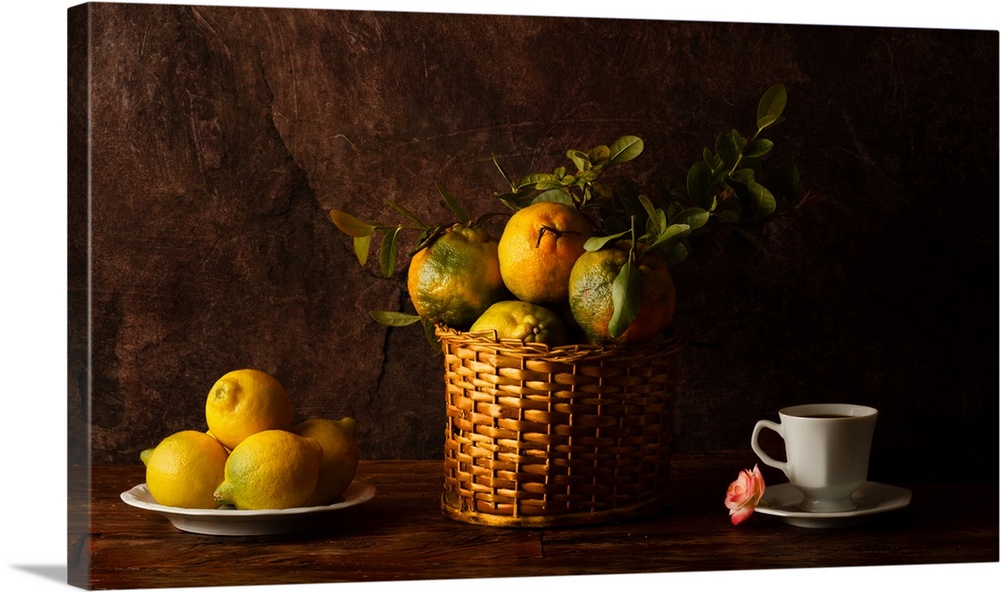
244,402
340,456
271,470
184,469
515,319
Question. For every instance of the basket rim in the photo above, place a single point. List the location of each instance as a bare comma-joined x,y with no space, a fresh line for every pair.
674,340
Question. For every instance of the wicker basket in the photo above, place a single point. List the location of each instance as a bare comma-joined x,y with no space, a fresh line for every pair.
562,436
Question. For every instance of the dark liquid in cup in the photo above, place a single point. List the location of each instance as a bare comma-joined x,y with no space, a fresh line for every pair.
828,416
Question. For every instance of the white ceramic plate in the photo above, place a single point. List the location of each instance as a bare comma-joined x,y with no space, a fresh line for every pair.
228,521
872,498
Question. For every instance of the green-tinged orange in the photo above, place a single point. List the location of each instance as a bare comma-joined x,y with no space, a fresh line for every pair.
456,277
527,322
591,295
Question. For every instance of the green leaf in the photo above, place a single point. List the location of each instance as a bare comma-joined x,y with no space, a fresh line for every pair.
771,105
759,148
453,205
503,173
514,201
673,234
531,180
430,335
350,225
362,246
553,183
728,149
387,255
579,159
677,254
647,204
586,177
762,199
625,149
625,297
743,175
656,224
394,319
596,243
711,159
601,189
693,217
699,183
558,195
599,155
426,236
769,122
406,213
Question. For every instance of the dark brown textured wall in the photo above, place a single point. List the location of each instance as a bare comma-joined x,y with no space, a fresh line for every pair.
221,137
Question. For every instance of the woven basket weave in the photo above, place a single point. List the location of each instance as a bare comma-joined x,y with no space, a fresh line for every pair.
562,436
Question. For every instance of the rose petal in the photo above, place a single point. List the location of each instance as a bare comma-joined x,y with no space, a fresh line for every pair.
740,515
744,494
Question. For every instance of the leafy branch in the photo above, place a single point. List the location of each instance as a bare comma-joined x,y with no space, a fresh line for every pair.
729,182
362,232
726,187
577,188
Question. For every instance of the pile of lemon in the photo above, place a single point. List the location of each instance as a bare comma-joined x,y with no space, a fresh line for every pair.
253,456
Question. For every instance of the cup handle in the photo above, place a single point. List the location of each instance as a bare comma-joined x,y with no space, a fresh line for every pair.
776,427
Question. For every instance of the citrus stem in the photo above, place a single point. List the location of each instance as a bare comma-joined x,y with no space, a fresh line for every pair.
555,231
739,159
632,247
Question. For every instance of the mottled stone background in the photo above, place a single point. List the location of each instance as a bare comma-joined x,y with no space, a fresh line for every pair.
221,137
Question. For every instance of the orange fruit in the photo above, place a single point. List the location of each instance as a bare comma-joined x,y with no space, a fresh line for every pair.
244,402
530,323
591,302
538,248
456,278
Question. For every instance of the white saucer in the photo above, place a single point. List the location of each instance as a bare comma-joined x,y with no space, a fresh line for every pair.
872,498
227,520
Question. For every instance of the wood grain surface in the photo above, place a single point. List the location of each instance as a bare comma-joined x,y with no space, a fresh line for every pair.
401,534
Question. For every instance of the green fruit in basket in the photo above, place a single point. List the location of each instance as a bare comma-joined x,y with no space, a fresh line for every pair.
456,277
271,470
338,440
591,294
530,323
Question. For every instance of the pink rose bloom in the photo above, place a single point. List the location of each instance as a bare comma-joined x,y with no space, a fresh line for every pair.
744,494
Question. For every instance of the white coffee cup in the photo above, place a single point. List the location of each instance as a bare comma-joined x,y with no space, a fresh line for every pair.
827,446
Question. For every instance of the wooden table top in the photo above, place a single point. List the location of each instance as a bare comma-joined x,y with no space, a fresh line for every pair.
401,534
